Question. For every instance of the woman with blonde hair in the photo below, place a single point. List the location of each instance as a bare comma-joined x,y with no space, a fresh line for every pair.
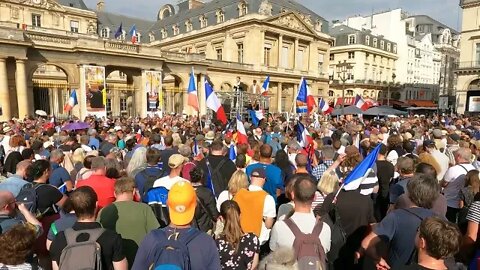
238,181
237,250
138,162
329,183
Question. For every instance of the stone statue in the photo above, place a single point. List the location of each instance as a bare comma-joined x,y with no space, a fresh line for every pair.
92,28
265,8
318,26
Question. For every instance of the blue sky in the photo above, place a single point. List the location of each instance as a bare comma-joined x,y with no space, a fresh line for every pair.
446,11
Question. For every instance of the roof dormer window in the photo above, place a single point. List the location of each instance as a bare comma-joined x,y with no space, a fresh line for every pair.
220,16
203,21
242,8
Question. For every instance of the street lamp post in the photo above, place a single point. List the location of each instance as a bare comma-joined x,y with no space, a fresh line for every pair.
343,71
388,92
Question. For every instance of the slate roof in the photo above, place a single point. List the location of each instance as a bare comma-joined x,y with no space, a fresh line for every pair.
425,19
341,29
230,9
73,3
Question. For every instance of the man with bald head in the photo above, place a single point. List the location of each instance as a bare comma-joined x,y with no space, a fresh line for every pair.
9,216
15,182
301,162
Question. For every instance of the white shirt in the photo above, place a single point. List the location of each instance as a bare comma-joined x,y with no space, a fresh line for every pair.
392,157
224,196
167,182
282,236
443,161
86,148
269,210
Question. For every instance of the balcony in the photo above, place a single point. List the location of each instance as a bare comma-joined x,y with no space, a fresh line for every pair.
467,67
232,65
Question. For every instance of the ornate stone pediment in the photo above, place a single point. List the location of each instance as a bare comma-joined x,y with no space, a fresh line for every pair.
292,21
45,4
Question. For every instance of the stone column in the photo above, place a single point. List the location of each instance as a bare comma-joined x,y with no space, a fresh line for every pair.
279,97
293,103
280,45
22,93
295,55
140,97
262,47
4,93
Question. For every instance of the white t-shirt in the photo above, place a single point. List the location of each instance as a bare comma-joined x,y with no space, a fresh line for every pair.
167,182
224,196
269,210
282,236
443,161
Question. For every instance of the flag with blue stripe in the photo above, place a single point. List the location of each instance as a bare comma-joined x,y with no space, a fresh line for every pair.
361,171
232,154
256,117
63,188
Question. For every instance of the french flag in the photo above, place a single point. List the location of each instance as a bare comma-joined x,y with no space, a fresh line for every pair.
305,101
256,116
242,137
360,103
214,103
303,136
133,34
192,98
196,150
265,86
324,107
72,101
361,174
232,154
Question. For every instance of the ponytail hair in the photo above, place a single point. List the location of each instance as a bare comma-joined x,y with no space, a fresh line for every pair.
230,211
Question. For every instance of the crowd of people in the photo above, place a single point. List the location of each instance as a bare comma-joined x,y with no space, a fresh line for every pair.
179,191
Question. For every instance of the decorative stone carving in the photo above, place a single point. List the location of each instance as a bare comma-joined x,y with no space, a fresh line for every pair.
291,22
265,8
91,28
15,12
307,19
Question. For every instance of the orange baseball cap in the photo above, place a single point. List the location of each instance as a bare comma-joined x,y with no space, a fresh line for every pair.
181,202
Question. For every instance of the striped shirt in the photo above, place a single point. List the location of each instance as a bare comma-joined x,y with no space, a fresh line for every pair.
474,212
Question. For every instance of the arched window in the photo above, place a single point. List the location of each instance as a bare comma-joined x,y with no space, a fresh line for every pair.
105,33
330,93
123,36
164,33
242,9
151,37
188,26
176,30
203,21
350,93
220,16
138,37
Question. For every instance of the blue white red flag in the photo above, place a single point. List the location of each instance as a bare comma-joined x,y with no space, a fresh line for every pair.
256,116
133,34
361,171
232,153
265,86
303,136
192,98
214,103
305,101
72,101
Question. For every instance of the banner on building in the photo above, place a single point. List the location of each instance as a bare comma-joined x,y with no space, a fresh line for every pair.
153,90
93,84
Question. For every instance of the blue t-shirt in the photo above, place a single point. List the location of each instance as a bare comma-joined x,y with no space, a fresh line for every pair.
94,143
397,190
66,220
399,228
59,175
141,178
274,178
203,250
13,184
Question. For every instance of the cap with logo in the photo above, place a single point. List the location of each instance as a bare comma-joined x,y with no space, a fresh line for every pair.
181,202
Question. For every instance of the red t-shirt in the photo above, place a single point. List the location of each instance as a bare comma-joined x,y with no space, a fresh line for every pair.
103,186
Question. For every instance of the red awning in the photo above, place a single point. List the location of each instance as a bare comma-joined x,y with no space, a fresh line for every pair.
393,102
421,103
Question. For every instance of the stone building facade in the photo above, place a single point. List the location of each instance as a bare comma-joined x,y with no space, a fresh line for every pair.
47,43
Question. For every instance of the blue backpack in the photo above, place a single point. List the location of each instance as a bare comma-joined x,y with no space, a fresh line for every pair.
172,253
157,199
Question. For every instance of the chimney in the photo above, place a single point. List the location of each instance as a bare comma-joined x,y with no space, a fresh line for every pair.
100,5
186,5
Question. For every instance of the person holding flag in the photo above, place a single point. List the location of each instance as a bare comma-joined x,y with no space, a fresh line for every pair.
324,107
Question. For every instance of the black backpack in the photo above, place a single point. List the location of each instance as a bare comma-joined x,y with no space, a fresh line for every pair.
338,235
29,197
151,178
217,178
